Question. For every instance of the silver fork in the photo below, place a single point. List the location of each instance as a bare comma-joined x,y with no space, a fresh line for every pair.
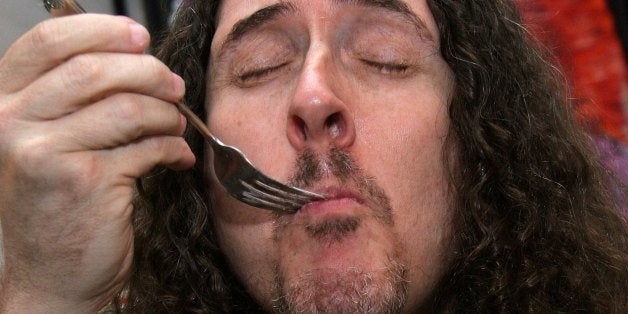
243,181
234,171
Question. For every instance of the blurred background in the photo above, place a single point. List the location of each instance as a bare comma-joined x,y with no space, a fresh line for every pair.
18,16
589,41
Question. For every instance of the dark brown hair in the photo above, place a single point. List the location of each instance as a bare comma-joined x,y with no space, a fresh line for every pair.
535,226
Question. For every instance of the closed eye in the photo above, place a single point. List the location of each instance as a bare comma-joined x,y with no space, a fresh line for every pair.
256,74
388,68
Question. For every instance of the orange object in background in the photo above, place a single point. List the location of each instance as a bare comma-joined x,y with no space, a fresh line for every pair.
582,34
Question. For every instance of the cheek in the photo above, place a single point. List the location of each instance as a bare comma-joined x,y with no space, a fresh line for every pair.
409,160
255,123
402,147
245,237
404,133
415,180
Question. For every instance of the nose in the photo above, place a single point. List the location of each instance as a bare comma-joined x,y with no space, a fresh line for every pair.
318,118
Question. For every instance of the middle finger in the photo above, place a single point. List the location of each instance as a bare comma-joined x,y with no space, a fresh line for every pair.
117,121
90,77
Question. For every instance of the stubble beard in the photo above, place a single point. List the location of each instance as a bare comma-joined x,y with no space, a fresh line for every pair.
352,290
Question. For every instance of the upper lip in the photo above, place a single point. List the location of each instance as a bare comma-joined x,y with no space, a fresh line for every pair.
335,192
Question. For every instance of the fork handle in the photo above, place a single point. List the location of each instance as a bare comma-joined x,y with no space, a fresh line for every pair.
63,7
196,121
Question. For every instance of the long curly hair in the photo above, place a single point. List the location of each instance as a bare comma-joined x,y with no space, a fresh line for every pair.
535,225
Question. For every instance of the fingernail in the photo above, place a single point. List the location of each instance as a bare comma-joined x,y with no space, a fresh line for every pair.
139,34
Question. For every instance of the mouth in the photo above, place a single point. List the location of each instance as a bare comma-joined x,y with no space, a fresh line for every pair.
337,200
348,210
331,220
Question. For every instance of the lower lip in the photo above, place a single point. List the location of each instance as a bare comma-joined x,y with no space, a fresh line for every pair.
336,205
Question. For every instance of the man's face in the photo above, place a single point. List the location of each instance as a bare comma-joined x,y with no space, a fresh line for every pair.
348,99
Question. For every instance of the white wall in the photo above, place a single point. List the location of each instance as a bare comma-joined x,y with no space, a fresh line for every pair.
18,16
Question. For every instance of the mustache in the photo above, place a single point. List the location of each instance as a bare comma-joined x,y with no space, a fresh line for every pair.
311,168
336,163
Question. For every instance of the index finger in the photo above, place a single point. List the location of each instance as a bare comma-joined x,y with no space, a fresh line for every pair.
55,40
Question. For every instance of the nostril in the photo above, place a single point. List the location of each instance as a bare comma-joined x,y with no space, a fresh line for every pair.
318,129
334,124
300,128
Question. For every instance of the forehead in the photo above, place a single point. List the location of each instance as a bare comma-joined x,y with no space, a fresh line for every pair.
233,11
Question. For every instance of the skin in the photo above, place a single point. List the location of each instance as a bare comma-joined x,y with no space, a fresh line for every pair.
84,113
352,78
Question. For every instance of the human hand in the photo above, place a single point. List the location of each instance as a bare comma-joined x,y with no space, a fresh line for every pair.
84,113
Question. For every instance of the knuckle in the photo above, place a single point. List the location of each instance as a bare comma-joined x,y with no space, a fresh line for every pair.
152,63
158,69
45,36
32,154
130,112
37,159
168,150
128,108
83,71
7,114
83,173
161,146
178,145
78,175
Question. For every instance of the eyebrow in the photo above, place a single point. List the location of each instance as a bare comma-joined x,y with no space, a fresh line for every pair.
257,19
395,6
272,12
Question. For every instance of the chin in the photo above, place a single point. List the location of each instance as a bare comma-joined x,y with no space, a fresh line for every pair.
338,263
350,290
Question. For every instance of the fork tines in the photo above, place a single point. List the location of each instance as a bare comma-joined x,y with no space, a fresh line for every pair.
266,195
